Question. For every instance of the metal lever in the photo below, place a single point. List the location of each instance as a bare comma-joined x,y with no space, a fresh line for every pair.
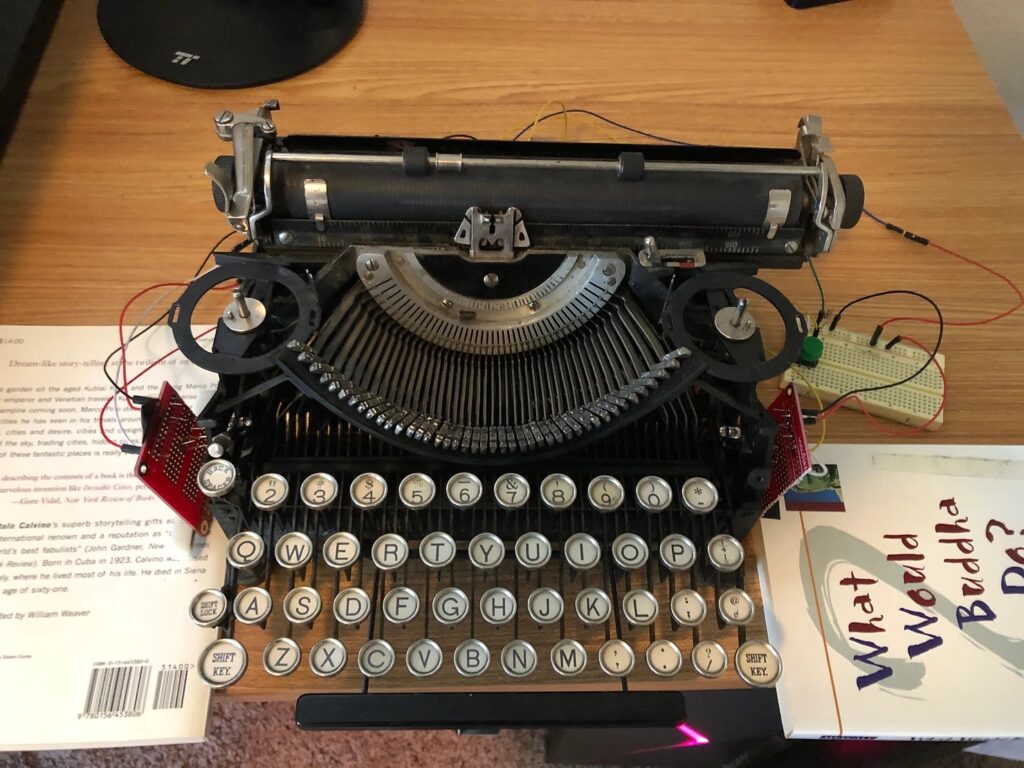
246,132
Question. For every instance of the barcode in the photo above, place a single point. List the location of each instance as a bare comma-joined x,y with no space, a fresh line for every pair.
117,691
170,689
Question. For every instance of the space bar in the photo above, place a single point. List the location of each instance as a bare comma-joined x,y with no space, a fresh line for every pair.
467,711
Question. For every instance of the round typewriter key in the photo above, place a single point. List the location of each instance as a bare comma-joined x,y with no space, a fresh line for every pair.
416,490
709,658
688,607
605,493
401,605
677,552
486,551
376,658
472,657
533,550
640,607
464,489
518,658
664,658
653,494
593,606
582,551
545,605
758,663
252,605
341,550
497,606
245,550
629,551
568,657
269,491
327,657
352,606
450,605
208,608
319,490
616,658
389,552
368,491
725,552
423,658
736,607
302,605
511,490
222,662
281,656
216,478
699,495
437,549
558,491
293,550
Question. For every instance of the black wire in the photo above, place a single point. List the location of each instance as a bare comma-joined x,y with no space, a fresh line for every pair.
599,116
915,374
117,350
821,292
460,136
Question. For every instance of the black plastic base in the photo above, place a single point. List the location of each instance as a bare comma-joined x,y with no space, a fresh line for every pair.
227,43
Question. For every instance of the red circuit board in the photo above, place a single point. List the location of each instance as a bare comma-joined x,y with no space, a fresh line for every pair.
173,450
791,458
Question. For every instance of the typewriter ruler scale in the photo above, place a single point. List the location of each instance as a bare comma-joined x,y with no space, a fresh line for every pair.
495,425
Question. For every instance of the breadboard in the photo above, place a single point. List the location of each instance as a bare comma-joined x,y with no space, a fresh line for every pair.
849,362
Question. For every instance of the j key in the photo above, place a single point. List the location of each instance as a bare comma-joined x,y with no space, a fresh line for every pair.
568,657
327,657
281,656
545,605
376,658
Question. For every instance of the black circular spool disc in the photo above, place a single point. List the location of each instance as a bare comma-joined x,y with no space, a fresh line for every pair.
227,43
748,373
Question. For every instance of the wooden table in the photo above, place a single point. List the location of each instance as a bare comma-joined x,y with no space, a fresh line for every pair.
101,189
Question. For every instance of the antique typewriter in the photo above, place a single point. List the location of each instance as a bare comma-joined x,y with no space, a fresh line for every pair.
486,442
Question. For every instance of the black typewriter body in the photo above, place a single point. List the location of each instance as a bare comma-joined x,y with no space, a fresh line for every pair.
487,424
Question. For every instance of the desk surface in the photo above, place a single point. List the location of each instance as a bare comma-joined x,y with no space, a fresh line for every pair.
101,189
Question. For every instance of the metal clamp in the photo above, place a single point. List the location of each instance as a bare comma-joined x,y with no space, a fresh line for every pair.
778,210
650,255
246,132
318,207
493,236
815,148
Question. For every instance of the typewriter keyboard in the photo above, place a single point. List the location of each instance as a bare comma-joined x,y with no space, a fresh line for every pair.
380,581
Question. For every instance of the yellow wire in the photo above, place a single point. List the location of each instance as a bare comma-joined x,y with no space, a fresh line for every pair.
817,396
540,113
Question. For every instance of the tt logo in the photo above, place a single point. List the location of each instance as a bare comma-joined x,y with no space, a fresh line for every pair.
183,58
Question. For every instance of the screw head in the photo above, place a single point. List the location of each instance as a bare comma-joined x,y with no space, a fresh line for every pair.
534,305
371,265
609,270
490,279
792,246
447,303
225,117
285,238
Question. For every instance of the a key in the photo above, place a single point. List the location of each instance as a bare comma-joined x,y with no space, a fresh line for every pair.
568,657
376,658
352,606
450,605
664,658
281,656
593,605
629,551
758,663
209,608
222,663
497,606
640,607
327,657
401,605
423,657
545,605
616,658
518,658
472,658
252,605
301,605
